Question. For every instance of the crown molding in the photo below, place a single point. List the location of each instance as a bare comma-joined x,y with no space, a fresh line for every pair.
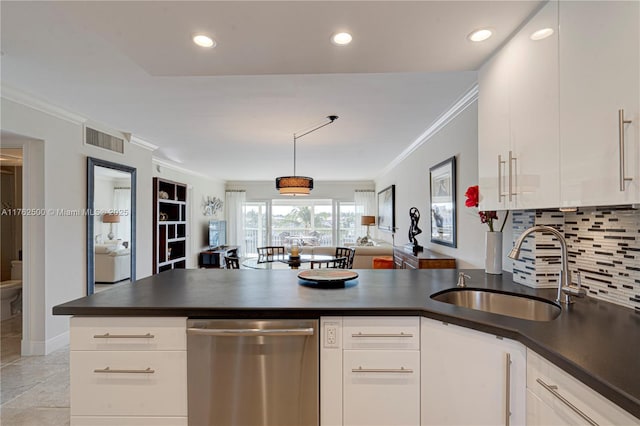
142,143
176,168
468,98
33,102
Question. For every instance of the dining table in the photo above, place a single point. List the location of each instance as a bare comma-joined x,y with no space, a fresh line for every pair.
284,262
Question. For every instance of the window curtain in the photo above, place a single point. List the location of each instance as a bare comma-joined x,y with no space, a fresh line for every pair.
122,203
365,202
234,213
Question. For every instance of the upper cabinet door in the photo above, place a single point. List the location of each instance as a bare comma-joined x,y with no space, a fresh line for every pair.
493,130
599,75
518,130
534,105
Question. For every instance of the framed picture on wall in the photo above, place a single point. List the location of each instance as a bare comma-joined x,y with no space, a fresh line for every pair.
443,202
387,209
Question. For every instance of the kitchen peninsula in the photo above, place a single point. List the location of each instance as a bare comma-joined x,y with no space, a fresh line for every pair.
595,342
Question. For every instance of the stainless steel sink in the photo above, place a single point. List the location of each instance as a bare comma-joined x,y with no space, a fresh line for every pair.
509,304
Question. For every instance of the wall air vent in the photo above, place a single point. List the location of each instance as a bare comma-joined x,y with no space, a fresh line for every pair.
103,140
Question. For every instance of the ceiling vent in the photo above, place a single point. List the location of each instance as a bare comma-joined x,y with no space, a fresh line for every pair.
103,140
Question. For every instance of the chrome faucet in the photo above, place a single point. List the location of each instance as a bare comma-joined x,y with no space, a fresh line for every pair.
564,283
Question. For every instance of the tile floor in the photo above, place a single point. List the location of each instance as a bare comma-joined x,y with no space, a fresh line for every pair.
34,390
10,337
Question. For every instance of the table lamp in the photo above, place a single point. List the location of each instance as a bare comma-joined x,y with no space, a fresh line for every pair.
110,218
368,221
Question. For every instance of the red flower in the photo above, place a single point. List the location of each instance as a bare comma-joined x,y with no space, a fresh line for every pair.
473,196
488,216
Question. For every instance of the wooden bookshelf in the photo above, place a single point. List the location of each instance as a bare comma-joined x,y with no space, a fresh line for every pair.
169,225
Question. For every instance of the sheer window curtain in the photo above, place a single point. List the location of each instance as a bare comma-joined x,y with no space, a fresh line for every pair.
234,213
122,202
365,202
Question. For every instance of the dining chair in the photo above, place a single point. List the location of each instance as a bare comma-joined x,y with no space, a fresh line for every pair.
349,253
337,263
270,253
232,262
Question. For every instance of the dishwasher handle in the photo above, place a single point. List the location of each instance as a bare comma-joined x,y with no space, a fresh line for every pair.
250,332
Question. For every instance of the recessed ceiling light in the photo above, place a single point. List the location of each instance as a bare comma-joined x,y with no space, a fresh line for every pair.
203,40
341,39
480,35
541,34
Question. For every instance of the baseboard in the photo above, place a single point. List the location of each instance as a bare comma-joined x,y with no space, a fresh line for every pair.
39,347
55,343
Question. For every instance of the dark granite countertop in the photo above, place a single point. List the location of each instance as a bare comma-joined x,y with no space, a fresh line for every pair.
597,342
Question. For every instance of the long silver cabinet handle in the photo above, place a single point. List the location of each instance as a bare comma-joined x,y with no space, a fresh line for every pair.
621,123
511,160
381,370
401,334
507,385
148,370
554,391
250,332
500,193
123,336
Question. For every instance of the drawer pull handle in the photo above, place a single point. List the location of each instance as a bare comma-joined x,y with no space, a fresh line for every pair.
147,370
123,336
554,391
250,332
401,334
381,370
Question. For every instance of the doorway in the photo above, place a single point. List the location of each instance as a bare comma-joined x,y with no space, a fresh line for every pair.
11,162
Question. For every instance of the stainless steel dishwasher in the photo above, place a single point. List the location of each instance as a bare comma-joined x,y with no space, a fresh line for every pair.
253,372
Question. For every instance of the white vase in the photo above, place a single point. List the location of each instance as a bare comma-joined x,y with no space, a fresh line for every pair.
493,253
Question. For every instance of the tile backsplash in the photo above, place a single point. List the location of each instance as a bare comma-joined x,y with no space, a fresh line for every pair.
603,245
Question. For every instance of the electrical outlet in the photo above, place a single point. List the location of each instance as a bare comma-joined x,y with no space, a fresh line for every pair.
330,336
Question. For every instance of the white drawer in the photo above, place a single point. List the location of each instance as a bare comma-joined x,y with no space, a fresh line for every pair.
128,421
381,387
161,393
128,334
586,400
381,333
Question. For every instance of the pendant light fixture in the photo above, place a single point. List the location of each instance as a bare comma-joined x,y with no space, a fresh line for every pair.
299,185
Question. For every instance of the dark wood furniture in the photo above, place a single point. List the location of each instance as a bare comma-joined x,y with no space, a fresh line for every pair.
169,225
215,258
426,259
337,263
269,253
349,253
231,262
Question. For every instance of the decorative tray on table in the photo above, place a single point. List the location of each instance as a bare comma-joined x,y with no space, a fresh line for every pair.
327,277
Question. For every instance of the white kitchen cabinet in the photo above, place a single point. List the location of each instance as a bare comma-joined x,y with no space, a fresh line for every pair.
470,377
129,421
370,371
556,398
518,129
129,369
541,414
493,131
599,75
381,387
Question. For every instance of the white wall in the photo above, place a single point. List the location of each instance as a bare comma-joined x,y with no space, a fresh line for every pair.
411,177
199,189
60,275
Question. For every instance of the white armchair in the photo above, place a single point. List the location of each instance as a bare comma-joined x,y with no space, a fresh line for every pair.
111,263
